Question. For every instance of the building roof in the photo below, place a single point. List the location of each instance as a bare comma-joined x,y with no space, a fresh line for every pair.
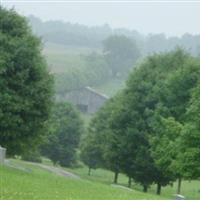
97,93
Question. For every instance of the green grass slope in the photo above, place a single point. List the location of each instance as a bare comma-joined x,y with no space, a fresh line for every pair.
31,182
190,189
61,58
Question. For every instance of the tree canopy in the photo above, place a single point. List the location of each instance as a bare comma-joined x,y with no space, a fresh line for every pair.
150,131
25,84
65,132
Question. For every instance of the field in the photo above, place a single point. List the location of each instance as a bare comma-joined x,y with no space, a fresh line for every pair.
190,189
31,182
25,181
61,58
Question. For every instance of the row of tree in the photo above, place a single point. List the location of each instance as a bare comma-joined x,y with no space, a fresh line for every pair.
150,130
80,35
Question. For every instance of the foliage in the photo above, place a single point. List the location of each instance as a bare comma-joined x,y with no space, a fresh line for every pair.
91,152
25,84
190,137
100,146
120,53
32,156
145,130
157,95
65,133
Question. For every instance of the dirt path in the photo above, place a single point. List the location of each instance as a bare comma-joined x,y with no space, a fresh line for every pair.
122,187
55,170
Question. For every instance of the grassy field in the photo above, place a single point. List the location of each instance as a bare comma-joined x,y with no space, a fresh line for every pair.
190,189
61,58
34,183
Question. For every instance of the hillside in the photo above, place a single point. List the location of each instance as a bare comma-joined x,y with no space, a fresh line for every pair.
30,182
61,58
78,35
66,45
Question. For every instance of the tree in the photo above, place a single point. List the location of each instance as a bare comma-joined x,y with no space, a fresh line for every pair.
190,137
64,138
91,152
176,95
133,150
102,142
165,150
121,53
162,81
25,84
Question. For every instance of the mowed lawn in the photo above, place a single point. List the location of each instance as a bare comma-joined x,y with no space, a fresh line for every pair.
31,182
190,189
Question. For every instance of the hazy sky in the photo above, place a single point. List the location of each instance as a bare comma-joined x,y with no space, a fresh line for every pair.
172,18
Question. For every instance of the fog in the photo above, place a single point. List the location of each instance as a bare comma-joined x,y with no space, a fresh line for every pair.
171,18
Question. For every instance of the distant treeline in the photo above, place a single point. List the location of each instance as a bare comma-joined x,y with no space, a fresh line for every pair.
80,35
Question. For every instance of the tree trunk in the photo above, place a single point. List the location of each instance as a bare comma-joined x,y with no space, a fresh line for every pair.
129,182
89,171
158,189
179,185
145,188
116,177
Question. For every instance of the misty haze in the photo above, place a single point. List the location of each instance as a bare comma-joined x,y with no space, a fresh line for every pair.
99,100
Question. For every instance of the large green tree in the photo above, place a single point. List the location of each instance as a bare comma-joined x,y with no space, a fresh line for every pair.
102,145
25,85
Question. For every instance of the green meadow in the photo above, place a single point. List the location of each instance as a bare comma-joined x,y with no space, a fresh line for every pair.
33,183
61,58
25,181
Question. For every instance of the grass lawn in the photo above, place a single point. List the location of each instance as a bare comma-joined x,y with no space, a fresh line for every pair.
31,182
190,189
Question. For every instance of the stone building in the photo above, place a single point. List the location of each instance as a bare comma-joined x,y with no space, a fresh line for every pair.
86,99
2,154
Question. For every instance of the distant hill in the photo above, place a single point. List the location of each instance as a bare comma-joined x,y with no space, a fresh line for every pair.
67,46
76,35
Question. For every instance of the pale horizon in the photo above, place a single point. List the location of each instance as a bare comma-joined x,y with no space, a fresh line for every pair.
170,18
